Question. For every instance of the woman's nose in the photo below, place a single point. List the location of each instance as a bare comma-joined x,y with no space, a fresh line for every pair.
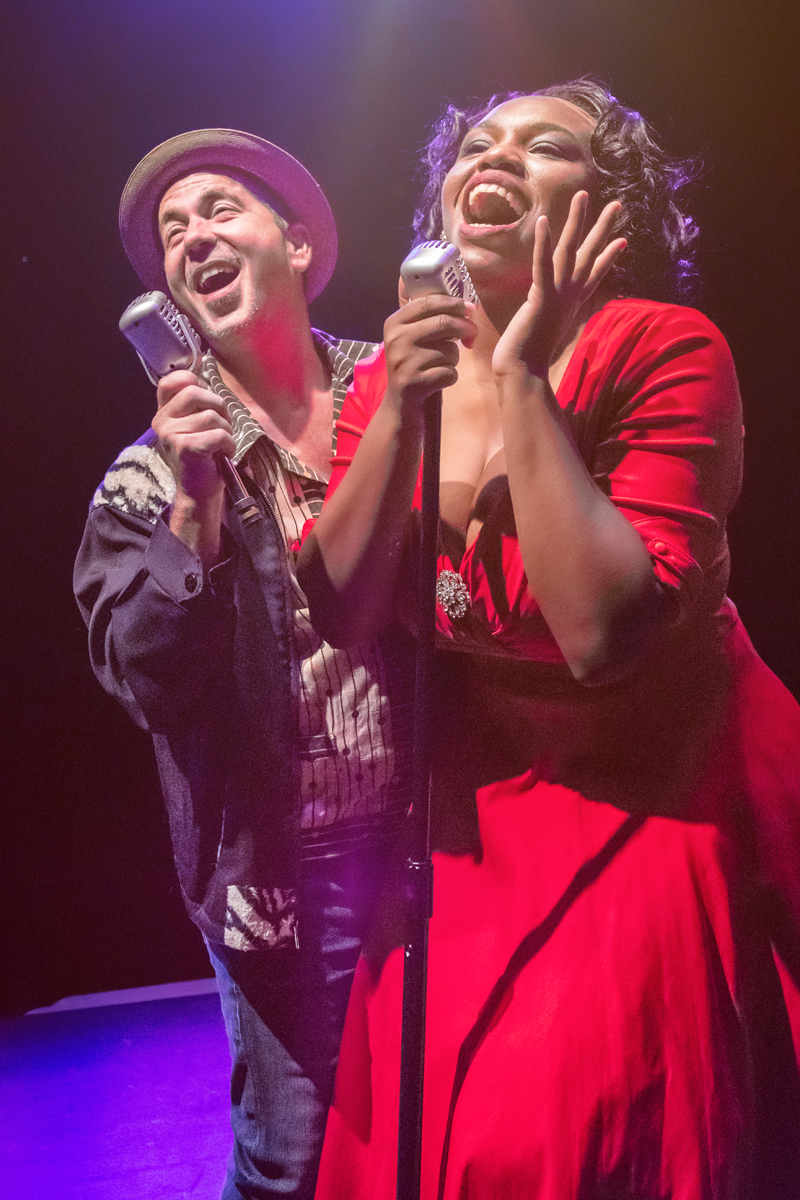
503,156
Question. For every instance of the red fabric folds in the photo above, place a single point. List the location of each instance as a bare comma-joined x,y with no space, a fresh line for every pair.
638,850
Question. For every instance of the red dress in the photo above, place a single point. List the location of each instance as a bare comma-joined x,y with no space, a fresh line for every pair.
637,848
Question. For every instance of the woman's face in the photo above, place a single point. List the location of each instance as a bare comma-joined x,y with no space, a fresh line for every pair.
526,159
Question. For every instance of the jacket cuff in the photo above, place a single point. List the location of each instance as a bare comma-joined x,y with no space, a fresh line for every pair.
178,571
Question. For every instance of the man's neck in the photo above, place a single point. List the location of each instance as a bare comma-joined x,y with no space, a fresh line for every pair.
278,375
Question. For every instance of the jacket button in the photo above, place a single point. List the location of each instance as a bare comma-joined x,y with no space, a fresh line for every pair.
660,547
190,583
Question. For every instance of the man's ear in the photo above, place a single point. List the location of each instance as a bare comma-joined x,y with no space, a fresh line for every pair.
298,247
402,292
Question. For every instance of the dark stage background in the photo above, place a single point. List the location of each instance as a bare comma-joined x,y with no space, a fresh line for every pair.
348,86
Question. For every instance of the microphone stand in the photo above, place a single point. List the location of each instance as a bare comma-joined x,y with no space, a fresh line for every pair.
418,888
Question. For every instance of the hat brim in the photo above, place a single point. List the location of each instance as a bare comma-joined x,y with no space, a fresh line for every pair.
298,197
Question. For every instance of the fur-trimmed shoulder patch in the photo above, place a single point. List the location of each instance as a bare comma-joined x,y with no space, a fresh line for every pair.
138,482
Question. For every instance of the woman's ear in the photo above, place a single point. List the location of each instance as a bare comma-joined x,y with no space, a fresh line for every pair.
402,292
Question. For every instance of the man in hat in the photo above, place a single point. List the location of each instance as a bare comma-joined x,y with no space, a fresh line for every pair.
282,759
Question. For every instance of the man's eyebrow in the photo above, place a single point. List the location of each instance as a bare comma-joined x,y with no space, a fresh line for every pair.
213,193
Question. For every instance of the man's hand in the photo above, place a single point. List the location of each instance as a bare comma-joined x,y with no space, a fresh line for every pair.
193,427
563,280
420,346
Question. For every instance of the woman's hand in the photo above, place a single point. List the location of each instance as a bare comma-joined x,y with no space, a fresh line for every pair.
420,347
563,280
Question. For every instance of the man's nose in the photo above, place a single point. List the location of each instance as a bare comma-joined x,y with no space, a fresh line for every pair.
198,236
503,156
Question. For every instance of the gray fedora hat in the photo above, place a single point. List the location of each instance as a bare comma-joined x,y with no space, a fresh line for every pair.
287,185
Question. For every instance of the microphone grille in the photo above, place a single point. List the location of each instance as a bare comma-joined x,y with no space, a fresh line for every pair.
455,276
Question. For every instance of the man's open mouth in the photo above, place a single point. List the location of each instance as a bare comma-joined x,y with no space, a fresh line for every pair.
214,279
492,204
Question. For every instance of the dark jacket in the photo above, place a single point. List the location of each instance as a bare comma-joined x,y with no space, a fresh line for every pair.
207,666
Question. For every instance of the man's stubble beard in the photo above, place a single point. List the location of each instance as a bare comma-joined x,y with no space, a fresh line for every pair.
212,335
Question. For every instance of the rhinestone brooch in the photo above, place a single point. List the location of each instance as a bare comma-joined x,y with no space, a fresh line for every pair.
453,594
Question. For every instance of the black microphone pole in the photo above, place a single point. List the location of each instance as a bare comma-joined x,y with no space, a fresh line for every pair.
430,268
419,868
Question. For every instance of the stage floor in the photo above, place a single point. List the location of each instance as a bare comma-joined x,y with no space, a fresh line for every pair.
121,1096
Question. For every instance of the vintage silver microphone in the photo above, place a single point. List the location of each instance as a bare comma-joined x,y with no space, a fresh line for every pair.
437,268
165,341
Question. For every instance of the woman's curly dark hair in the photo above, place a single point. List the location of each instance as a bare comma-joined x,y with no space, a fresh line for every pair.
631,167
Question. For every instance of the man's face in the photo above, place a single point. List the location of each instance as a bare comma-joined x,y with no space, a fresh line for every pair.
526,159
226,260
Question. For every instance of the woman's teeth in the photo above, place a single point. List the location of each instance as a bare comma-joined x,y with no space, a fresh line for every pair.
492,204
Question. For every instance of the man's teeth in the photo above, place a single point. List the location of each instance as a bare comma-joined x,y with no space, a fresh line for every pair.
213,279
489,203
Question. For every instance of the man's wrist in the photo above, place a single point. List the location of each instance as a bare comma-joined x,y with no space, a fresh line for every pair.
198,525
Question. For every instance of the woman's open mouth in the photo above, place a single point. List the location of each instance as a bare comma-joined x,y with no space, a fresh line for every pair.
492,206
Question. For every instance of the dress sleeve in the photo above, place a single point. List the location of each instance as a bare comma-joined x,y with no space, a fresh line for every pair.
362,401
652,401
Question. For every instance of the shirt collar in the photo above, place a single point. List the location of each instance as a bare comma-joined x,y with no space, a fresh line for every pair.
246,429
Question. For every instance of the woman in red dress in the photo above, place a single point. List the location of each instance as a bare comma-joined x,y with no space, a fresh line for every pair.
617,798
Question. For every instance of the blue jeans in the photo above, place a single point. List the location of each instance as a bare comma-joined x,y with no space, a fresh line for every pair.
284,1013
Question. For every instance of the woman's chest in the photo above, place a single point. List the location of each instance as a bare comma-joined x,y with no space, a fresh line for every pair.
472,436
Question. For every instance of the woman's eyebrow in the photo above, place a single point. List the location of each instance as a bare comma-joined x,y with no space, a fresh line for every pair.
528,130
